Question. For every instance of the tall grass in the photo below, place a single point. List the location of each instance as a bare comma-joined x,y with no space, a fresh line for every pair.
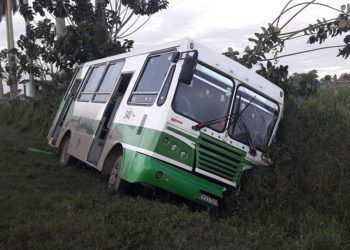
303,201
305,195
34,117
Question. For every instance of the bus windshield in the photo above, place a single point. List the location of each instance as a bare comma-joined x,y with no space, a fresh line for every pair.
206,98
259,116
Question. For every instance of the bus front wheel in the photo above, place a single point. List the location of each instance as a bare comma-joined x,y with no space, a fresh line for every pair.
114,177
115,183
65,157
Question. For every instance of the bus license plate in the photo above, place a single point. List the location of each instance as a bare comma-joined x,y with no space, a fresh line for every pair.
208,199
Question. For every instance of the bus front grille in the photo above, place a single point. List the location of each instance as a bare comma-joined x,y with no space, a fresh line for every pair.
219,159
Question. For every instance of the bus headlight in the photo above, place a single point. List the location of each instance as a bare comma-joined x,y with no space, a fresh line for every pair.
183,154
174,147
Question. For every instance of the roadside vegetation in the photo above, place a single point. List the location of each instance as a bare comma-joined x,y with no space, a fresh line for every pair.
301,202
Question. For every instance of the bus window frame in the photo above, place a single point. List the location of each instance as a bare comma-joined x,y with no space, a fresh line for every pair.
100,82
156,94
94,93
231,101
70,86
161,102
87,78
263,95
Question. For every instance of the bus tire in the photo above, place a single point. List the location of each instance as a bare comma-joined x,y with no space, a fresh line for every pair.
115,183
65,157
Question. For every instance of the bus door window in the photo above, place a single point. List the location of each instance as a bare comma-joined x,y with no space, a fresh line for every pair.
114,104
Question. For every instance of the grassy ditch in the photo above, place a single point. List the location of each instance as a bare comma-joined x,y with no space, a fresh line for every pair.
301,202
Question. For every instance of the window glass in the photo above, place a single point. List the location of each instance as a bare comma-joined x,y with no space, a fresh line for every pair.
79,76
143,99
206,98
101,97
93,80
85,97
151,79
259,117
110,78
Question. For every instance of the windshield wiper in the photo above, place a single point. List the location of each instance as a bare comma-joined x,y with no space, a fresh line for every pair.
243,127
208,123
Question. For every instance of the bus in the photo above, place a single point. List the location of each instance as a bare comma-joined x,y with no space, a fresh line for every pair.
178,116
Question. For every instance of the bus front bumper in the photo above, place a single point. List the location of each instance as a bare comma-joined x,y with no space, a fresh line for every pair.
140,168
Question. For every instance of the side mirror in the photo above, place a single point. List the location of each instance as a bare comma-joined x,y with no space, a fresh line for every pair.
188,67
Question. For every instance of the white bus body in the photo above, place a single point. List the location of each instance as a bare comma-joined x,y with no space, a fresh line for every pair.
130,117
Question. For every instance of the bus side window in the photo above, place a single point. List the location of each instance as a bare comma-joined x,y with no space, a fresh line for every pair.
77,80
151,79
164,92
109,81
91,83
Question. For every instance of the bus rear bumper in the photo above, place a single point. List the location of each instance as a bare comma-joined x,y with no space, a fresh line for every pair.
148,170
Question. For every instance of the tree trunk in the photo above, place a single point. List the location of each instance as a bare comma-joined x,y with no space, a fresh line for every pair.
1,90
100,6
13,91
30,88
12,81
60,26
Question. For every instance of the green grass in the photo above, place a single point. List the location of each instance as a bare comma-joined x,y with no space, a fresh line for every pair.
303,202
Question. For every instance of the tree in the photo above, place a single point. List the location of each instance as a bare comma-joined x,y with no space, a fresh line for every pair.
92,32
7,71
6,9
272,39
344,76
327,78
307,83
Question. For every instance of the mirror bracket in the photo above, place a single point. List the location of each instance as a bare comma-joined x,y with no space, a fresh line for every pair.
183,55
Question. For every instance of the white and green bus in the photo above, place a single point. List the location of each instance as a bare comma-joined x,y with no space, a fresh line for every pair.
179,117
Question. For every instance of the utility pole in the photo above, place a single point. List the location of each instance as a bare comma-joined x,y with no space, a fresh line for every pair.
30,87
60,26
60,23
1,90
12,81
100,6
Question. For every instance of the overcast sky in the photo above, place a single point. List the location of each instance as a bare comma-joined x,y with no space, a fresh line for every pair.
226,23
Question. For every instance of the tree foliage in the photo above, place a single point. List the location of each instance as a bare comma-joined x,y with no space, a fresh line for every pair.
87,37
307,83
270,43
7,70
